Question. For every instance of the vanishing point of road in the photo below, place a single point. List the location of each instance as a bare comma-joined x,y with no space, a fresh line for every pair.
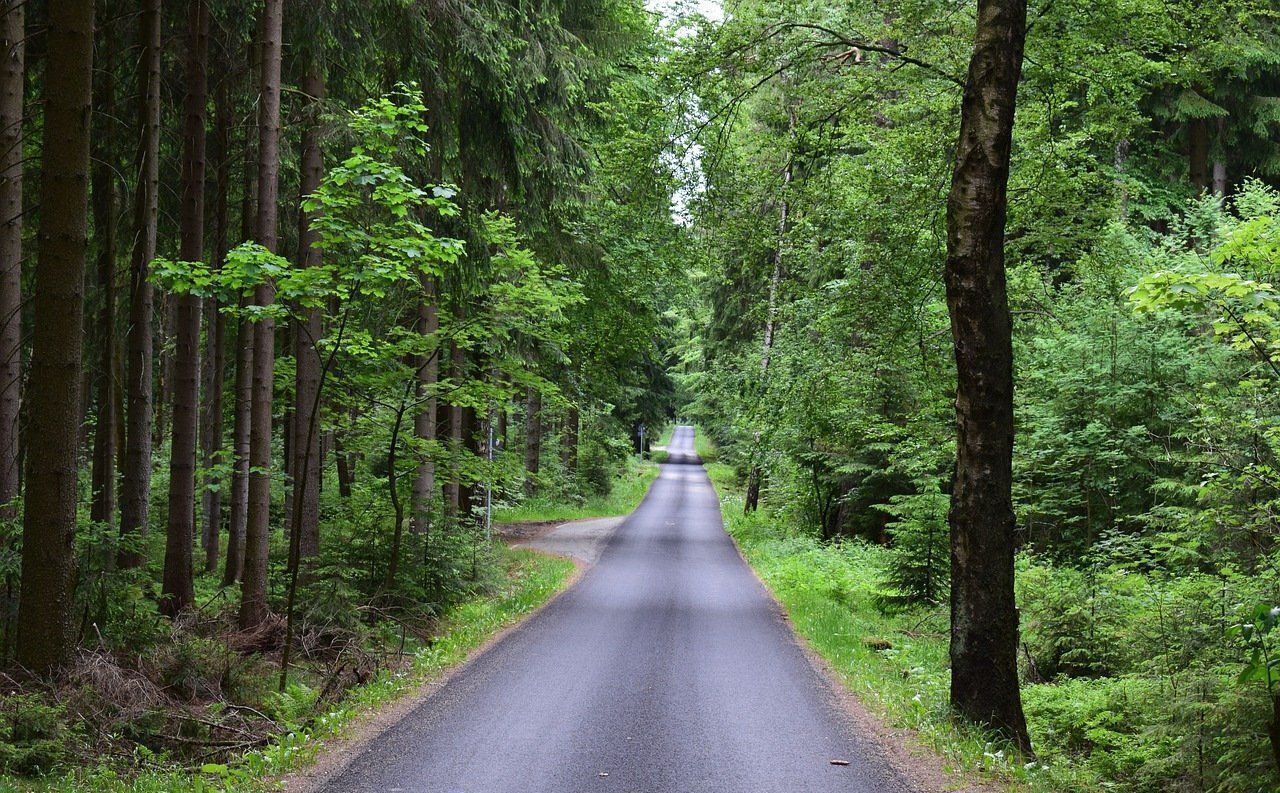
666,669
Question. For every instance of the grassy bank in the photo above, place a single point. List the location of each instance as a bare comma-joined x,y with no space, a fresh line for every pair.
624,496
531,579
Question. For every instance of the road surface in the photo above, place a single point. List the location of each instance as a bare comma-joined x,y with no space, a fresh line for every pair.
666,669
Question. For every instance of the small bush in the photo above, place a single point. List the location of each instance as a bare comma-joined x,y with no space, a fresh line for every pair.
36,735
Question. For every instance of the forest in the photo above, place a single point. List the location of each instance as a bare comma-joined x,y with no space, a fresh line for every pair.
311,312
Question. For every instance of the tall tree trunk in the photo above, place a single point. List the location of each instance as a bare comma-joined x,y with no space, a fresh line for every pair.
103,478
1220,183
135,487
346,476
178,591
984,620
253,604
306,411
532,439
756,476
1198,153
45,633
12,73
239,517
451,489
569,447
214,359
424,423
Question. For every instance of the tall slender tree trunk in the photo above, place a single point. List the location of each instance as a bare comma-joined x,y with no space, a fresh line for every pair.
346,476
178,591
135,487
1198,153
214,359
984,620
306,411
253,604
12,74
452,488
45,633
756,476
424,423
1220,179
569,448
532,439
239,517
103,478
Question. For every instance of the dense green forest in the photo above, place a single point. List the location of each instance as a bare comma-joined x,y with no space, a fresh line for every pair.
974,300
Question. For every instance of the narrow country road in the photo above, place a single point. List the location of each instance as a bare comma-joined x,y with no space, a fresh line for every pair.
666,669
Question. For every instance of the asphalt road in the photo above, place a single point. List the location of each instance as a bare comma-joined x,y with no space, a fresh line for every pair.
666,669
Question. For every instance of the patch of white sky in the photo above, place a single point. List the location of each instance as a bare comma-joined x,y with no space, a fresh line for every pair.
685,156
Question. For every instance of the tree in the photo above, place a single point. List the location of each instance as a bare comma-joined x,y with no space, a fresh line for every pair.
984,619
105,201
45,633
135,486
306,408
12,78
253,603
178,591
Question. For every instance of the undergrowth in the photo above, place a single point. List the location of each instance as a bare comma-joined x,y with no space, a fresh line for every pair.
1107,709
304,719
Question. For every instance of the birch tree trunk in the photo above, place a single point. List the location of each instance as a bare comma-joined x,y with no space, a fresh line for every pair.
984,620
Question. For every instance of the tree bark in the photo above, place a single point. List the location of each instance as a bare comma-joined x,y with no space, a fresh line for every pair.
12,74
532,439
346,476
569,447
214,359
103,477
234,568
452,488
306,411
239,518
178,592
984,620
1198,153
45,633
424,423
253,604
135,487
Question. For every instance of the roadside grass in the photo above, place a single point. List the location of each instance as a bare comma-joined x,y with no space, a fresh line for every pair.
531,580
704,446
896,663
624,496
665,438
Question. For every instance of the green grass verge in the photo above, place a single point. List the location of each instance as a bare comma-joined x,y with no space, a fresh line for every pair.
625,495
704,447
532,580
896,663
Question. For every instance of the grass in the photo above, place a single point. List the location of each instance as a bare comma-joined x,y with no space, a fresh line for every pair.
625,495
704,446
532,579
896,663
